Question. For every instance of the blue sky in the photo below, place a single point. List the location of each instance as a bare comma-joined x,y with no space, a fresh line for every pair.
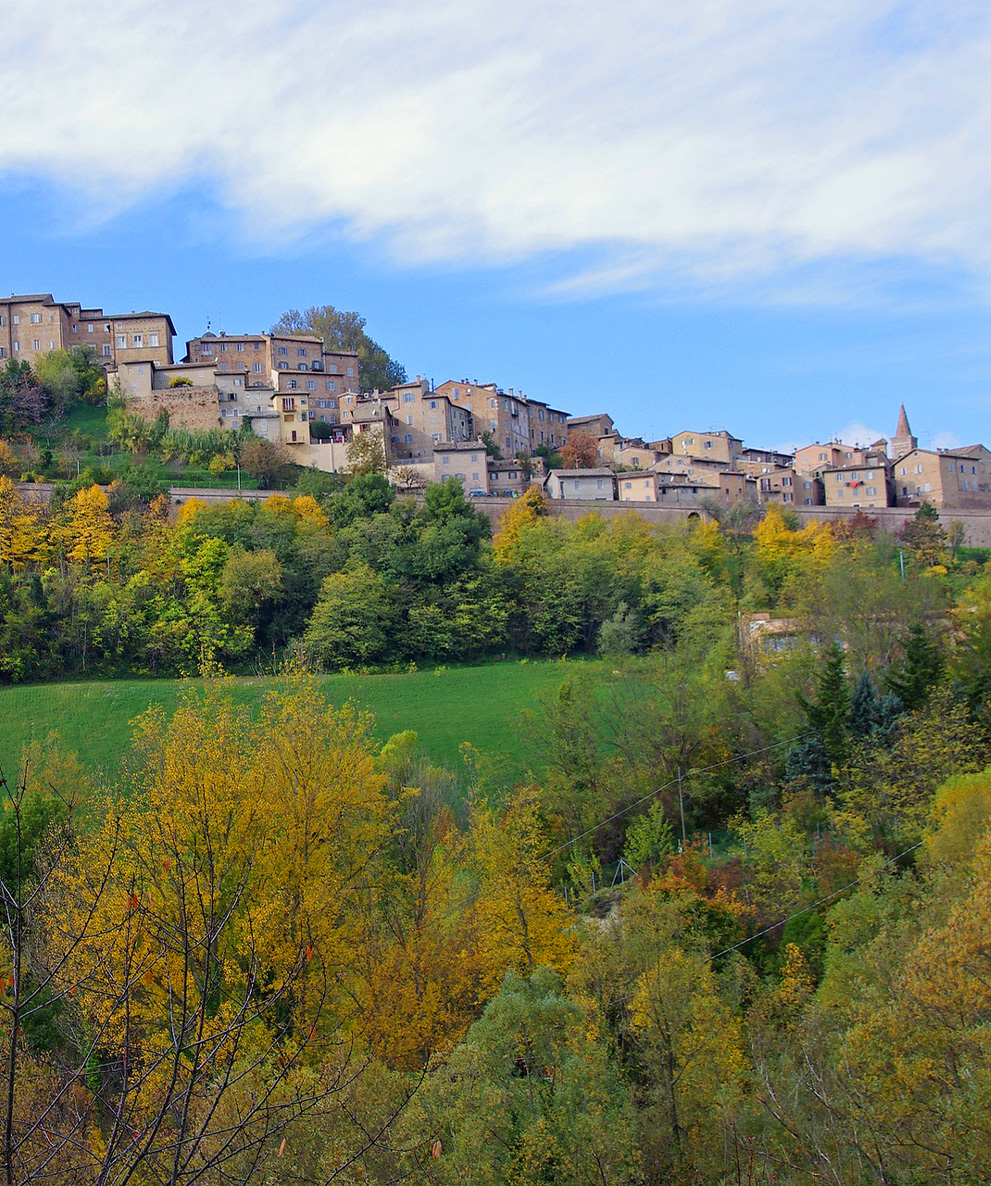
692,213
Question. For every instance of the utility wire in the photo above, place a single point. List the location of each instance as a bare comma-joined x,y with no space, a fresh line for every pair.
805,909
673,782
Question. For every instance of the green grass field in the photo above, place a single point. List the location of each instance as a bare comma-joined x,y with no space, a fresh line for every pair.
446,707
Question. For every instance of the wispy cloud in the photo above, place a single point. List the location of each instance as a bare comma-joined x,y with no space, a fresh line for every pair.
716,142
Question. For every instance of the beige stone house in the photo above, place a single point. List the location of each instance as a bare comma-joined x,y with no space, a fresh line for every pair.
637,487
35,324
426,418
592,485
464,460
720,447
866,484
812,459
515,423
948,480
286,362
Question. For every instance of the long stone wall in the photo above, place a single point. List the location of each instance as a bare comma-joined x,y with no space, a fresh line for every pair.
977,525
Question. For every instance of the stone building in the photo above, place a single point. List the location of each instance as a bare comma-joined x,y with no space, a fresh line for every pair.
947,479
35,324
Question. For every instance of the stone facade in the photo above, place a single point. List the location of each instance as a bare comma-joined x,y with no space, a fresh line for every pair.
866,485
947,480
36,324
719,447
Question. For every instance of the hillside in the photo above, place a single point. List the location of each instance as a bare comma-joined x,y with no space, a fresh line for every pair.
445,706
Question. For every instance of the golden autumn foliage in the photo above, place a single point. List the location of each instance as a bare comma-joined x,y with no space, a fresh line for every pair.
525,511
520,922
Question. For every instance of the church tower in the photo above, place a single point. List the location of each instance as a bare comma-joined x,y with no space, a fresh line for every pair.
902,442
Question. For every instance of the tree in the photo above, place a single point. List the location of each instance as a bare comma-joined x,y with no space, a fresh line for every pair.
89,532
353,619
366,454
346,332
187,1031
580,451
267,462
916,677
925,538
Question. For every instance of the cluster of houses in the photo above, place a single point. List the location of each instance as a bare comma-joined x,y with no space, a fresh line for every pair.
295,392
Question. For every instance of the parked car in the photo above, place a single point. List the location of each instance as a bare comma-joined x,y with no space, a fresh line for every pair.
478,494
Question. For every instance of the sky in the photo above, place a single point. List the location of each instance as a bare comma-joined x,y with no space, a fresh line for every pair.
757,215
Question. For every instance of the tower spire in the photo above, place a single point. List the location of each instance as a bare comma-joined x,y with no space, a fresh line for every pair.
902,442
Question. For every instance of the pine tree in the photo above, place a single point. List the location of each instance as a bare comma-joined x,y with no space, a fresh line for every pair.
914,678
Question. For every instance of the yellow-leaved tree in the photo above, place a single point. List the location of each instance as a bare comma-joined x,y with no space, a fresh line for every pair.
515,519
88,531
519,921
202,941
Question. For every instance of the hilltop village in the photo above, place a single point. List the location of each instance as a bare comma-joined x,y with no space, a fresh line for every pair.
296,393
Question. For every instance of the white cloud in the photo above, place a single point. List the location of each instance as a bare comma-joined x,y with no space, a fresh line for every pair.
719,141
945,440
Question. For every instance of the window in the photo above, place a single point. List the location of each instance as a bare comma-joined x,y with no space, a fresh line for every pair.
408,438
408,397
106,351
447,461
918,469
238,346
138,341
436,438
292,384
256,368
288,404
283,350
16,319
871,490
237,382
17,348
3,351
36,344
223,366
869,476
153,340
283,366
303,366
51,345
349,399
310,385
222,346
350,372
89,329
35,318
122,342
433,405
707,445
331,385
409,419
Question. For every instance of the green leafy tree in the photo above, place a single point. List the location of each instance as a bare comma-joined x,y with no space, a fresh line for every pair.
353,619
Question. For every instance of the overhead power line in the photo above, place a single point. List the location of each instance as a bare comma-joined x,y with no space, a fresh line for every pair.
673,782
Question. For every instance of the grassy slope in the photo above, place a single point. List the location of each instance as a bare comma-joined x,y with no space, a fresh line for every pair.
475,704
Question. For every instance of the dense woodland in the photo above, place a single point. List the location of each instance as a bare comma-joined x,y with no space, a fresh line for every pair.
735,929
